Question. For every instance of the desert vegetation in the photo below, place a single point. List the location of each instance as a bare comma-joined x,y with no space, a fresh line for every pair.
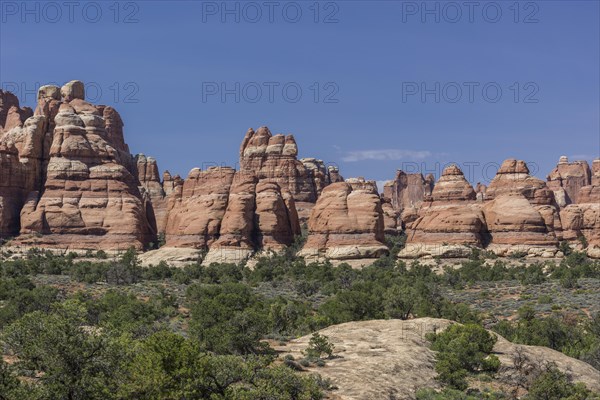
122,331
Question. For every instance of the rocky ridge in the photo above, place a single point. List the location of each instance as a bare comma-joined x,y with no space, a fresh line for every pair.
68,180
515,214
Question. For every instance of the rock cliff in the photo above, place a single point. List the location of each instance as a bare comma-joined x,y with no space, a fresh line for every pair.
346,223
68,180
447,222
88,195
75,175
516,213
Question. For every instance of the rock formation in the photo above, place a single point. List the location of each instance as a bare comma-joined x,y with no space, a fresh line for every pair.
233,214
87,195
321,174
392,359
407,190
448,222
153,192
197,209
273,158
259,216
521,213
516,213
392,223
276,220
21,144
11,114
480,190
567,179
65,183
581,221
346,223
67,180
513,177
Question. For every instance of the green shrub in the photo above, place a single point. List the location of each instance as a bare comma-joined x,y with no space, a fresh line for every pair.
453,394
319,345
562,334
545,299
461,350
228,318
101,254
553,384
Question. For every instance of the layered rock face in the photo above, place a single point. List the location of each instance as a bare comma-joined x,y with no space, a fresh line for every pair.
567,179
67,180
521,212
21,144
237,230
392,223
259,216
273,158
153,193
513,177
515,213
402,197
233,214
447,222
11,114
346,223
88,196
321,174
581,221
197,208
515,225
407,191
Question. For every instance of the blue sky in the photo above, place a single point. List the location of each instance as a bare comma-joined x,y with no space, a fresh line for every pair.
361,67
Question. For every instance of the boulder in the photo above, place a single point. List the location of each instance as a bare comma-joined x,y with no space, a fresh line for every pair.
73,90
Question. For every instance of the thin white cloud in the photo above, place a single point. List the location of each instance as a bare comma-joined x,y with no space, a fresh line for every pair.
385,155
